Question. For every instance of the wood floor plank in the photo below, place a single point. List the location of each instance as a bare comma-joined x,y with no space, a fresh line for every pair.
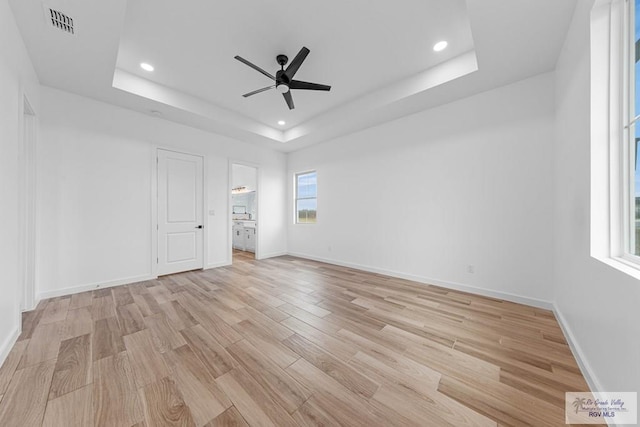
43,344
332,397
164,406
501,402
11,363
165,336
74,409
147,363
229,418
78,322
339,371
103,307
286,391
248,408
269,346
122,295
325,325
252,401
24,402
266,323
264,297
73,366
107,338
161,294
180,318
335,346
55,311
221,330
211,352
436,407
147,304
115,396
401,371
130,318
197,385
273,313
30,319
310,414
442,358
83,299
311,308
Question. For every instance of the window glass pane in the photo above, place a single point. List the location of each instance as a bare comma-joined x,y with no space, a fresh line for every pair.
635,182
636,56
306,210
636,191
307,185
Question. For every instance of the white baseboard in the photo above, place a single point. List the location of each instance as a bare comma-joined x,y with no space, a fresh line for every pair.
578,354
216,265
273,254
533,302
9,342
92,286
589,375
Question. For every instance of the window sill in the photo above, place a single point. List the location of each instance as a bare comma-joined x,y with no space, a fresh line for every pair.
623,265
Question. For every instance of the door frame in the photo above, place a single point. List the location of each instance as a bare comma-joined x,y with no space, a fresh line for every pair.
230,208
154,205
27,205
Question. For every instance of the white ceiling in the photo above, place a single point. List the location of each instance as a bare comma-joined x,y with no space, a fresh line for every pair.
378,57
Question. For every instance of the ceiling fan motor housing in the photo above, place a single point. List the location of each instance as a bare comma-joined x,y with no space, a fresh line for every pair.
282,81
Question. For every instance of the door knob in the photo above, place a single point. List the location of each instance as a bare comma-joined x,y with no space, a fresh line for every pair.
199,226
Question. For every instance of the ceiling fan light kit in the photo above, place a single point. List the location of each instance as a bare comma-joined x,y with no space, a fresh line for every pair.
283,79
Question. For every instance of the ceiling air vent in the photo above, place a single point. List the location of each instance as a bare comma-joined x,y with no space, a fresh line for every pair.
59,20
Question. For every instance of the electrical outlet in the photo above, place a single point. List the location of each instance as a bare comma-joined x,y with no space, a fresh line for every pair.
471,269
329,248
212,212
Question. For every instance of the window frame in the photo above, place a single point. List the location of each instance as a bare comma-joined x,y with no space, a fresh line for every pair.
609,212
628,145
296,198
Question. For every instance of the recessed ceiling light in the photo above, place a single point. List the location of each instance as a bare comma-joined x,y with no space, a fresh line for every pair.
146,67
282,122
440,46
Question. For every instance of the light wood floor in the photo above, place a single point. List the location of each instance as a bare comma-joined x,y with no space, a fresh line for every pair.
285,342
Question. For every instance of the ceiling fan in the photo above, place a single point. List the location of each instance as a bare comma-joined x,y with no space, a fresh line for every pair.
283,79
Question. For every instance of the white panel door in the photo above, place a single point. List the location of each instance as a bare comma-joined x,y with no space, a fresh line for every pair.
180,226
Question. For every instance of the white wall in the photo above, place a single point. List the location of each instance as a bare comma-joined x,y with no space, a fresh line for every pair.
600,306
425,196
17,79
95,164
244,176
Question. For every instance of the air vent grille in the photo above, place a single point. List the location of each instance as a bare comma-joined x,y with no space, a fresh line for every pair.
61,21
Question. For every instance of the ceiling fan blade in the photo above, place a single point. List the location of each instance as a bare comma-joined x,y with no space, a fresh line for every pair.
297,84
255,67
258,91
292,69
289,99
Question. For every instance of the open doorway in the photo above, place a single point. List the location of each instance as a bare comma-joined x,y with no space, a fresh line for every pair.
244,212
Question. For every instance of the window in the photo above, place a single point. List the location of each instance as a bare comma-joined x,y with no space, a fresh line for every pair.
630,151
615,136
306,197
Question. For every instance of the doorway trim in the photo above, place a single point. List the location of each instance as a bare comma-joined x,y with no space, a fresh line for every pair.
27,207
230,203
154,206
